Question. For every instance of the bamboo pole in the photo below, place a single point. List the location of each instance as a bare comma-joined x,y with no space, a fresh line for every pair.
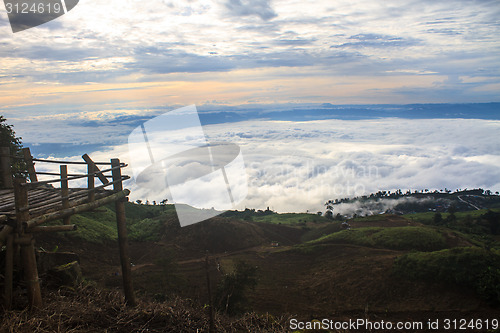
21,202
22,214
121,223
6,172
31,275
9,271
27,251
91,181
101,177
65,191
75,210
28,159
53,228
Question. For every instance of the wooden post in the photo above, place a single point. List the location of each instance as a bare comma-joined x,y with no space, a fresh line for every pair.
121,223
21,202
27,251
6,172
65,191
91,181
101,177
31,275
30,165
9,271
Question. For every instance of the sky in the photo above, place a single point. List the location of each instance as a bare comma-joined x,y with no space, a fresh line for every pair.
84,81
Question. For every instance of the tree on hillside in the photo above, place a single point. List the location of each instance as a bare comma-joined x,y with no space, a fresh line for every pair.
438,219
9,139
231,292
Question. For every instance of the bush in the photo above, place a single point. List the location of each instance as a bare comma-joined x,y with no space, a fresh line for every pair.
9,139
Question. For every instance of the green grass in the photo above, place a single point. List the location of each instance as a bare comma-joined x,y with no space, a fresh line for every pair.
315,233
473,267
370,218
146,230
397,238
290,218
95,227
428,217
100,226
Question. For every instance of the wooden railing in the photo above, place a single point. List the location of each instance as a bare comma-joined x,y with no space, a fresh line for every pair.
37,202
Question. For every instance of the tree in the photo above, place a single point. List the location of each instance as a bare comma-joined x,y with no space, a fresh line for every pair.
493,221
438,219
451,218
9,139
231,291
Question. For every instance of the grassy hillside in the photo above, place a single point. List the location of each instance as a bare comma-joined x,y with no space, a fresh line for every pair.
398,238
319,268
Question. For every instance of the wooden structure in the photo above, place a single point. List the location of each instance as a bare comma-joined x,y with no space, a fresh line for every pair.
26,206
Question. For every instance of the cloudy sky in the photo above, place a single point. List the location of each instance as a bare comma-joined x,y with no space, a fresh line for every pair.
133,55
89,77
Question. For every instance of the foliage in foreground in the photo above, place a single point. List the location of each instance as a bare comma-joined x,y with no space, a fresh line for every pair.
87,309
9,139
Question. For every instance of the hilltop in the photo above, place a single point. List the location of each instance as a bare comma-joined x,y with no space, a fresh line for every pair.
417,201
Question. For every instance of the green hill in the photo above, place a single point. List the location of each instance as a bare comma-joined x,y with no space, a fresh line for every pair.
306,264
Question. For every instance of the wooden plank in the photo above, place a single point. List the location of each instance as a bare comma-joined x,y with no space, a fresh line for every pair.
28,159
8,206
89,161
75,200
121,223
55,206
75,210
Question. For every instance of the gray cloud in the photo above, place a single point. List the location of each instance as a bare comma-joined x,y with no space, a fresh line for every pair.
73,52
378,41
259,8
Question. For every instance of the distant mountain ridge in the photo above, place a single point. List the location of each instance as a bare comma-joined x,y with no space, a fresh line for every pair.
305,112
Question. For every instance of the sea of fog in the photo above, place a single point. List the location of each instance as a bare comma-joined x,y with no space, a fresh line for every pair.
299,157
